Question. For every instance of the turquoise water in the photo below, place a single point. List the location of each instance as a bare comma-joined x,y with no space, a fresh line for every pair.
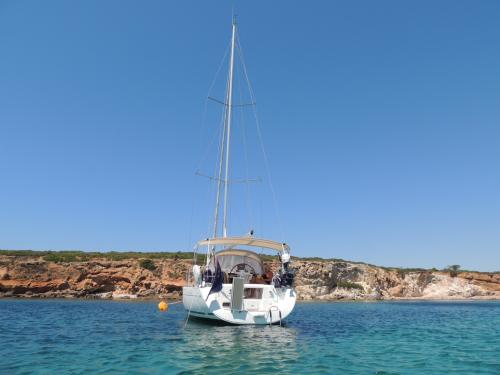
83,337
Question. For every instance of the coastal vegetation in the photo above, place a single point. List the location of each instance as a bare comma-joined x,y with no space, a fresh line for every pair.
69,256
148,264
453,270
348,285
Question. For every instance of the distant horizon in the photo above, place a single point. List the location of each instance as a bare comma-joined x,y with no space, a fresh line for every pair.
380,123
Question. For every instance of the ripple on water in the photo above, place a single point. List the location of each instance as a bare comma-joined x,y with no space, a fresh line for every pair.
79,337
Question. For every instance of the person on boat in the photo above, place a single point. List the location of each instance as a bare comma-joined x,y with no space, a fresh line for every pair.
258,279
268,277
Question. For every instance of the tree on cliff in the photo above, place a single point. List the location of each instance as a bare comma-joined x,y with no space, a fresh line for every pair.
453,270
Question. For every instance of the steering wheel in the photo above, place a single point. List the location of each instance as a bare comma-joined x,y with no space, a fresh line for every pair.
243,267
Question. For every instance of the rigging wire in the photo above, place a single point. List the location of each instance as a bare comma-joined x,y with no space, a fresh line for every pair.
242,75
204,155
220,160
213,183
245,152
259,133
218,163
202,132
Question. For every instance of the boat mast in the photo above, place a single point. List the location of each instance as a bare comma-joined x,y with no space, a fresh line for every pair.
229,104
225,138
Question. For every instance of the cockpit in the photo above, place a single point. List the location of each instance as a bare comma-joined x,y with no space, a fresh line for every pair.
242,263
234,262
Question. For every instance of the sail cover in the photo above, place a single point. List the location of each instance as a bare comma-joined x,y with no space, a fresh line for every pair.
218,279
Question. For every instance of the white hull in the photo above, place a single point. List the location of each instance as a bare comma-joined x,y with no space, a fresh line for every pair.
274,306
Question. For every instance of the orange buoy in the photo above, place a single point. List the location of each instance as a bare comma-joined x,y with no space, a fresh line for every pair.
163,306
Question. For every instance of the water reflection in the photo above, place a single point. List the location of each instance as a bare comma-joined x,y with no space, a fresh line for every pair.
259,348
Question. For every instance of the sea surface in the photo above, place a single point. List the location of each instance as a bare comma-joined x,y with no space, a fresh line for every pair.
108,337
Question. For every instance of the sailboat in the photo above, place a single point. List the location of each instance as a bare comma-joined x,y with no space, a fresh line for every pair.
232,285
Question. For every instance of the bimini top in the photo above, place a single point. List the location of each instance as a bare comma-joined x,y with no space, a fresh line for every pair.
246,241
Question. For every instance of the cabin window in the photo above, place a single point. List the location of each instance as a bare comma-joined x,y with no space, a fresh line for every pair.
253,293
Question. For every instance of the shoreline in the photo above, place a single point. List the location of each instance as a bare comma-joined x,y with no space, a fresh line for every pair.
38,276
179,301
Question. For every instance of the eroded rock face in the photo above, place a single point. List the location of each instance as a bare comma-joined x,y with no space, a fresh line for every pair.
99,278
29,276
344,280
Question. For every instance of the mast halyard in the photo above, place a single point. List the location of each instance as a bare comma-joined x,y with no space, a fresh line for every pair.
219,180
228,125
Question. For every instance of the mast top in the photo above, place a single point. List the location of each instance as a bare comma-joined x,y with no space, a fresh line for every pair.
233,15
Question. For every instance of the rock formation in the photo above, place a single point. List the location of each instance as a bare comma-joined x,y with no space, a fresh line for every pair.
344,280
33,276
100,278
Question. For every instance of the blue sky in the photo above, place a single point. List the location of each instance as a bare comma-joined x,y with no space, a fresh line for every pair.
381,122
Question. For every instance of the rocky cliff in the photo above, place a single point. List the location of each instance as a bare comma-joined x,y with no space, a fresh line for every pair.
34,276
27,276
345,280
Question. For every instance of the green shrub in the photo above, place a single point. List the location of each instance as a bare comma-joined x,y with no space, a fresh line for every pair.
453,270
66,256
348,285
147,264
81,256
